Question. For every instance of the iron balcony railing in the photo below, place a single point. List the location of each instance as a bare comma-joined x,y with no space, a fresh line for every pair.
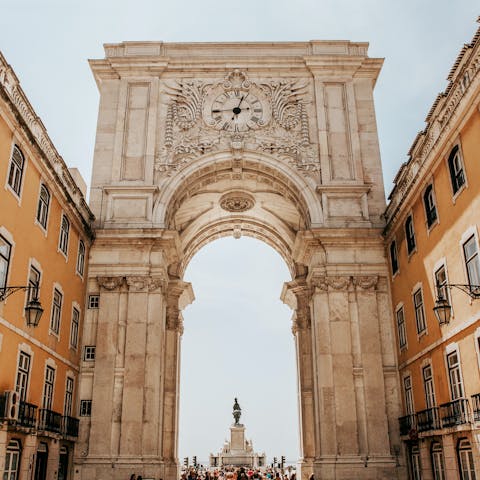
407,424
27,415
49,421
455,413
428,419
476,407
70,426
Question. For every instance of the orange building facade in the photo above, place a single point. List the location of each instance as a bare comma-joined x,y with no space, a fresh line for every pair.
432,238
45,237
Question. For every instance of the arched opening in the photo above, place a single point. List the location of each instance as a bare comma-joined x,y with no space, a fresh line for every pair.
237,342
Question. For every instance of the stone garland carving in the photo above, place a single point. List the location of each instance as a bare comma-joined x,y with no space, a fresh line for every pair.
344,282
174,319
285,133
110,283
137,283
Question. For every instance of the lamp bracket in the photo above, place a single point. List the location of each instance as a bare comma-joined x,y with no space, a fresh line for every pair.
5,292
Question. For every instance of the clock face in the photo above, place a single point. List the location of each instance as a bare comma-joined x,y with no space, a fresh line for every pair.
236,111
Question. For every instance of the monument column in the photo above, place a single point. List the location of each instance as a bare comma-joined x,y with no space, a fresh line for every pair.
176,291
299,299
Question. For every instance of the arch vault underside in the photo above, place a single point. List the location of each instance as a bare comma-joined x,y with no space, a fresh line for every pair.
172,173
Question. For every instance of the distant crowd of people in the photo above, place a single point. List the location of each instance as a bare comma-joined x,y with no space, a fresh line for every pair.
239,473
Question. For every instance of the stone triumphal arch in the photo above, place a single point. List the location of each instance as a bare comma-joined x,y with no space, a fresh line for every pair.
277,141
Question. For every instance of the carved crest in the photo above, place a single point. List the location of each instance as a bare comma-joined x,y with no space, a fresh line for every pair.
190,131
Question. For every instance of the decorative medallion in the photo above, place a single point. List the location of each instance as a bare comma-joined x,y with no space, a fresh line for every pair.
237,202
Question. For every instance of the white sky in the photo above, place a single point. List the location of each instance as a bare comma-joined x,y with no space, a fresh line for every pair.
237,283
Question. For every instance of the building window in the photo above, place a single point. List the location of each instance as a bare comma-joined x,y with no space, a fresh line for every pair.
56,312
455,375
419,311
430,208
407,387
472,263
67,409
438,462
43,205
81,257
48,386
465,460
23,374
456,169
5,249
17,164
410,235
393,257
74,328
402,332
89,353
85,408
415,464
33,283
93,301
441,283
64,232
12,460
428,386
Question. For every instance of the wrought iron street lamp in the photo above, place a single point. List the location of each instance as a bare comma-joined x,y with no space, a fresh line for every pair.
442,309
33,309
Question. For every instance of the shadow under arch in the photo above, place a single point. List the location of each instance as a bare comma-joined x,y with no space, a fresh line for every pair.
279,202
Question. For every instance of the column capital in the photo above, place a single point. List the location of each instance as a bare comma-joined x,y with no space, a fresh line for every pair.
297,294
146,283
365,282
328,283
179,294
110,283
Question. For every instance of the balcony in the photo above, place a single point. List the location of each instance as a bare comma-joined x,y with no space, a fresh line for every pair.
49,421
476,407
407,424
27,415
455,413
428,419
70,426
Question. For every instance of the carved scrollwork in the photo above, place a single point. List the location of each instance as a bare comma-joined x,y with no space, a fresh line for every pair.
283,131
156,284
329,283
110,283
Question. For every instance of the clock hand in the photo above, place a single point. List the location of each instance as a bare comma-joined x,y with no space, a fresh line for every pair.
222,110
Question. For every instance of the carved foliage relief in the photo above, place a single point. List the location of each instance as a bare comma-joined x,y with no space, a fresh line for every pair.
237,113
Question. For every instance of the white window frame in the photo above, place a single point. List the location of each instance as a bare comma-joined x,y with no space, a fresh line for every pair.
6,261
22,377
459,156
89,353
394,243
416,462
476,257
13,454
85,408
17,195
64,236
52,330
94,301
48,387
436,220
428,386
43,209
402,332
419,288
456,387
414,248
80,268
408,395
438,461
466,464
75,330
68,402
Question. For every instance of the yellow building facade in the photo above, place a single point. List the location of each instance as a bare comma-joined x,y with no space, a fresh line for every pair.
45,237
432,239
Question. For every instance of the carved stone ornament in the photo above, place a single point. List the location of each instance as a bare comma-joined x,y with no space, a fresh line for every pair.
110,283
333,282
156,284
366,282
237,202
208,116
137,283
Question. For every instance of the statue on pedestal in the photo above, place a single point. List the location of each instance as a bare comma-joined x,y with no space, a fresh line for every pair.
237,412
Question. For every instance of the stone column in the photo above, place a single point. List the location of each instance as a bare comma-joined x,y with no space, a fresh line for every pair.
103,404
302,330
171,369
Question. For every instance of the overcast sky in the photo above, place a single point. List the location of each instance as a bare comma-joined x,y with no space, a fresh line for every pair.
237,339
